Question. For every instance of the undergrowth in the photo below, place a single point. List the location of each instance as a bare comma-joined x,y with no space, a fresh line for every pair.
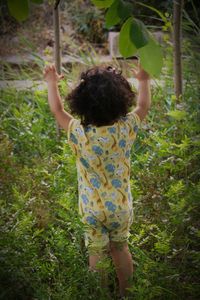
42,248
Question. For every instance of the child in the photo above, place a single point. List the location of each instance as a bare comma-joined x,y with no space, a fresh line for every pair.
102,141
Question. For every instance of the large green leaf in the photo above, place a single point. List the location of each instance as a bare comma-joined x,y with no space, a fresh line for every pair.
151,57
117,11
102,3
138,34
126,47
124,9
19,9
112,17
37,1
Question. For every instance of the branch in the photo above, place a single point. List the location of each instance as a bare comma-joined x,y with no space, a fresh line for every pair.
56,4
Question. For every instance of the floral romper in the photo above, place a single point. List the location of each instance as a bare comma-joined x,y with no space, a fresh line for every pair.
103,170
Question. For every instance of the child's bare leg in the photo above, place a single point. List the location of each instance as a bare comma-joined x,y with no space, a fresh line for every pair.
93,266
93,260
122,259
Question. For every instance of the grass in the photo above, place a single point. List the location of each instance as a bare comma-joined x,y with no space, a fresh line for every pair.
42,248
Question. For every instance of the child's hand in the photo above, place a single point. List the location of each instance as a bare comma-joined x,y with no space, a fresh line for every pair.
140,74
50,74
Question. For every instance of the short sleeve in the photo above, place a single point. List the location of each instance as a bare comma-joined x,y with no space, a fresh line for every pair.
133,121
72,134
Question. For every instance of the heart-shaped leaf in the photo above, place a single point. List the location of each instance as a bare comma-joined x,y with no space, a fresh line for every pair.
19,9
138,34
118,11
126,47
151,57
124,9
112,17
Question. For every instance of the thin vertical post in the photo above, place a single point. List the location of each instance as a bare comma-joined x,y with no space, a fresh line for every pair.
57,48
177,44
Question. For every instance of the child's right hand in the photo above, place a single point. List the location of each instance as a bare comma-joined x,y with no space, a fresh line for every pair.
140,74
50,74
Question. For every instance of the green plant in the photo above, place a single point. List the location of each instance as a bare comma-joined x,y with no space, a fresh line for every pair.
20,9
42,248
88,22
134,38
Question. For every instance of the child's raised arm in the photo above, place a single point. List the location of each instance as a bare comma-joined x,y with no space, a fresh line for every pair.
144,93
54,99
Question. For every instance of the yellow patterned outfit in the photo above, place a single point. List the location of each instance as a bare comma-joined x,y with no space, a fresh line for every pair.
103,170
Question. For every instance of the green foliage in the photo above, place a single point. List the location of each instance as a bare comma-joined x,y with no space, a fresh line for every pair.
138,34
134,37
87,22
151,57
20,9
42,236
177,114
117,11
124,39
103,3
41,244
158,12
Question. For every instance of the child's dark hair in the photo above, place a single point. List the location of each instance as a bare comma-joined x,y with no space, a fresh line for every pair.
102,97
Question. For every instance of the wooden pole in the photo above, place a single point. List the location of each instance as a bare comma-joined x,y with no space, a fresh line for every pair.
177,38
57,48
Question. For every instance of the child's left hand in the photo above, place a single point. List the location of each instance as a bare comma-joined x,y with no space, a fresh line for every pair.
50,74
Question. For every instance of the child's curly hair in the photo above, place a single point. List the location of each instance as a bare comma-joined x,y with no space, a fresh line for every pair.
102,97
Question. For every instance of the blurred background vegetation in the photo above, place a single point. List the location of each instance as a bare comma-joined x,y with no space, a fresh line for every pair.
42,250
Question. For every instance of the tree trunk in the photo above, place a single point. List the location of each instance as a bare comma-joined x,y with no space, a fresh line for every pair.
177,38
57,49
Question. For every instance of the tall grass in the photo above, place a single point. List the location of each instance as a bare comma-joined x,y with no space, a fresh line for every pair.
42,248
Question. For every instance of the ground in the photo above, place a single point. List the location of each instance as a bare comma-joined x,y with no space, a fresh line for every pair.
36,33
